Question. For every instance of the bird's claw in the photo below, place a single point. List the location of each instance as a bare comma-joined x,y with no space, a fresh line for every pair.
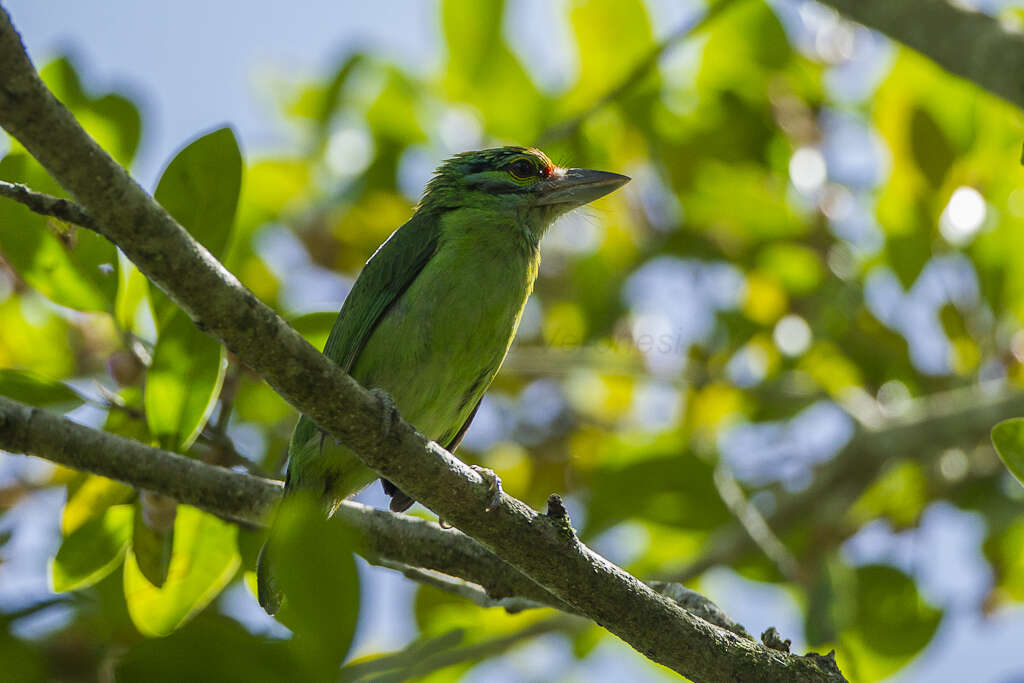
389,411
493,482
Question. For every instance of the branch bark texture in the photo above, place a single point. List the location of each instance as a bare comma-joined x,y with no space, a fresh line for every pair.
962,41
545,549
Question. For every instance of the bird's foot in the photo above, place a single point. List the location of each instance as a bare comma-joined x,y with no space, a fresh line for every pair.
389,411
493,482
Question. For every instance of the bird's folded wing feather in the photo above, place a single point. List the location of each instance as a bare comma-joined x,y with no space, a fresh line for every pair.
384,278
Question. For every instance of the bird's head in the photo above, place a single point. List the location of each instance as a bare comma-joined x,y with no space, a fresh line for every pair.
518,182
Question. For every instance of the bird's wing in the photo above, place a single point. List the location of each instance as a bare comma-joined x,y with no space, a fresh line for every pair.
457,439
387,274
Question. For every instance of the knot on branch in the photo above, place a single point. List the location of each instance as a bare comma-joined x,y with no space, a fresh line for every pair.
556,509
826,663
772,639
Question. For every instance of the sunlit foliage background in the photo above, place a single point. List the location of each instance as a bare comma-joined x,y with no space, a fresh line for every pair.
821,228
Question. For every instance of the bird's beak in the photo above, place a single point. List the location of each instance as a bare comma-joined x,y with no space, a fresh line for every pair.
578,186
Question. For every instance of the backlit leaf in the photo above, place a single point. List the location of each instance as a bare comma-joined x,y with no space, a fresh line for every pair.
183,382
203,561
92,550
200,188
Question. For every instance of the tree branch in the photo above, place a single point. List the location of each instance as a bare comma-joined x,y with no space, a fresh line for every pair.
544,549
405,543
963,41
46,205
928,426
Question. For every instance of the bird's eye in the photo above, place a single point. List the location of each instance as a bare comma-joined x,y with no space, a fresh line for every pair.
522,169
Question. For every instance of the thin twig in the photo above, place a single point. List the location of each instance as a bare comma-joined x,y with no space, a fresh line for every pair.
464,589
48,205
755,525
427,656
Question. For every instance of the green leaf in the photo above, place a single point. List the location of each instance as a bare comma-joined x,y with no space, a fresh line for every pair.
657,484
744,46
153,537
797,267
742,203
933,151
204,559
183,382
315,327
92,550
71,266
211,648
111,119
38,391
23,663
132,301
598,24
483,71
891,623
200,188
1008,440
90,497
312,558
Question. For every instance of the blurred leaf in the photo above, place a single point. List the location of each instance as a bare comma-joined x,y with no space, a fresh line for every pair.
200,189
1004,549
598,24
673,488
393,115
743,46
111,119
908,252
899,494
22,662
34,339
34,390
1008,440
315,327
92,550
313,561
211,648
71,266
828,604
891,622
797,267
132,295
153,536
933,152
183,382
741,204
271,188
89,498
830,368
402,664
926,118
482,71
203,562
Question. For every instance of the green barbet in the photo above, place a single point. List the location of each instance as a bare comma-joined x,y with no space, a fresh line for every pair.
435,309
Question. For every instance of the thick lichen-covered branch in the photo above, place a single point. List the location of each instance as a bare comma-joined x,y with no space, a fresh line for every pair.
544,549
